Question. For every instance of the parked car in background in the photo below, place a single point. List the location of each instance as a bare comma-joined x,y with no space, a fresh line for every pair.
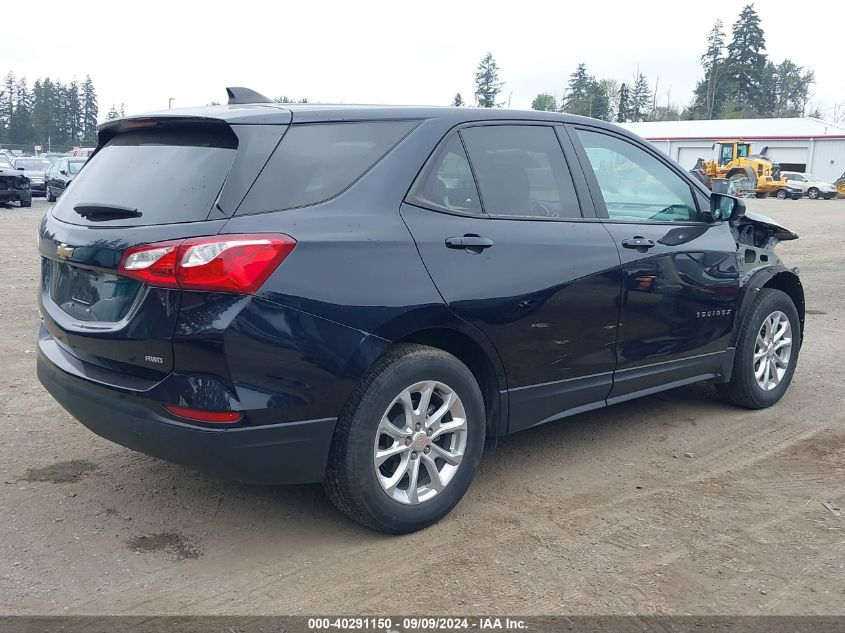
83,152
52,156
14,185
60,174
811,186
35,169
790,191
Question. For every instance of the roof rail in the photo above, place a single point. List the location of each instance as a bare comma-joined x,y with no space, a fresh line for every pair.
239,95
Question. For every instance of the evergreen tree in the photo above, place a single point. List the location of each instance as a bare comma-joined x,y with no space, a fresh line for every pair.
579,83
20,123
789,90
458,101
487,84
622,110
73,113
545,102
586,96
112,114
746,64
640,98
7,105
89,112
710,91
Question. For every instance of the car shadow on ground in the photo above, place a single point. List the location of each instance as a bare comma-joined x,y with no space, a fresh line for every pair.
155,500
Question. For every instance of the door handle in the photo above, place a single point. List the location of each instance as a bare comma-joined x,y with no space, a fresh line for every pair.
470,242
638,242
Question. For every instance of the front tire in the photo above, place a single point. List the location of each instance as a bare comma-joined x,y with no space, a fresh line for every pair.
408,442
766,352
26,203
50,196
813,193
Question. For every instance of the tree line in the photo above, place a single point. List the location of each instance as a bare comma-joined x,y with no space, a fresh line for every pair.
739,81
51,113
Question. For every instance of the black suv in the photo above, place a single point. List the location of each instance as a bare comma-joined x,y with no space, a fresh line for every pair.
14,185
361,295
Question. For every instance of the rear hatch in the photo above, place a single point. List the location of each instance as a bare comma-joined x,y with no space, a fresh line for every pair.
151,180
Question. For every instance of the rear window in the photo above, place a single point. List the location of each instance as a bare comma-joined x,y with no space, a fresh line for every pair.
315,162
33,164
169,174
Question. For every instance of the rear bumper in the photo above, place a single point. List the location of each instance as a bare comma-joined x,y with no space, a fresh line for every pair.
15,195
292,452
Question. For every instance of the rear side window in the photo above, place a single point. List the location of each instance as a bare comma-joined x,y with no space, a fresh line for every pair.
315,162
521,171
168,174
448,184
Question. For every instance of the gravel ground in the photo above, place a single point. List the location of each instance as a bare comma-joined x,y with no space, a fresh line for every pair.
676,504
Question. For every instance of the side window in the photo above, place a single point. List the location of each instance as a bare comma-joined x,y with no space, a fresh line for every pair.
727,154
521,171
447,183
634,184
316,161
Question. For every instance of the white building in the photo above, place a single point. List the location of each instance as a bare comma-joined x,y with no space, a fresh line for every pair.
801,144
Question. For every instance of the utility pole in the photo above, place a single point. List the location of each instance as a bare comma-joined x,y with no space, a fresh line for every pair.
170,102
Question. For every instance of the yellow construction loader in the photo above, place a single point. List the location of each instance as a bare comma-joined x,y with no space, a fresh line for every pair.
753,174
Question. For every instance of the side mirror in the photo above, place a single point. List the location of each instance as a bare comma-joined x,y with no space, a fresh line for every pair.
724,207
63,172
21,169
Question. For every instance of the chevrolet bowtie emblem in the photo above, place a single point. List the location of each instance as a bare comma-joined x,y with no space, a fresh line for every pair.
64,251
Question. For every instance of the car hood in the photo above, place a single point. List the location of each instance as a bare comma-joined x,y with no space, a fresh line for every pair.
30,173
774,228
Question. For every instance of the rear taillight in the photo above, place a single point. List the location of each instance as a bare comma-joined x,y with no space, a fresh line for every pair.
221,263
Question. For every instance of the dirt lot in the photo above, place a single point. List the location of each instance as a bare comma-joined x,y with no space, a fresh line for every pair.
674,504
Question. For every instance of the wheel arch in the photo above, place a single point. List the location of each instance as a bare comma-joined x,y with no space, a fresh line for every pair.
481,360
777,278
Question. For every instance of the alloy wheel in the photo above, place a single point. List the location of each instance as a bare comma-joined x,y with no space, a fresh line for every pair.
420,442
772,350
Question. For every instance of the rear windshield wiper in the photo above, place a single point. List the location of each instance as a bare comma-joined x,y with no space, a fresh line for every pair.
96,212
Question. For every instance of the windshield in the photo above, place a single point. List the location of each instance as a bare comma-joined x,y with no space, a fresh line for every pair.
33,163
5,164
75,165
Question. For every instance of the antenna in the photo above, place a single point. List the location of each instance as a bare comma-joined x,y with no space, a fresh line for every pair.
238,95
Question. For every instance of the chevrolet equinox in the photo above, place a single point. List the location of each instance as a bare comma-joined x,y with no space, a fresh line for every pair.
361,295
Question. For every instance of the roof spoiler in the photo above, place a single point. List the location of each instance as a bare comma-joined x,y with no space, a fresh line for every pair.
245,95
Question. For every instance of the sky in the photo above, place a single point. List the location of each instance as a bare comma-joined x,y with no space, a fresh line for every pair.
398,52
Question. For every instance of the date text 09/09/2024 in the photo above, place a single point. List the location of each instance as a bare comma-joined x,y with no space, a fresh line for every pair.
416,624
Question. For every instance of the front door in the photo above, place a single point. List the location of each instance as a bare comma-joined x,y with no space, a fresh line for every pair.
680,277
498,223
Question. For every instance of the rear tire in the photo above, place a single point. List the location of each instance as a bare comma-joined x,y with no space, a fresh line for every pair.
771,320
359,480
26,203
813,193
781,194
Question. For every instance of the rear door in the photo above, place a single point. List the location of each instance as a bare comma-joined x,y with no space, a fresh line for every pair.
497,218
680,277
